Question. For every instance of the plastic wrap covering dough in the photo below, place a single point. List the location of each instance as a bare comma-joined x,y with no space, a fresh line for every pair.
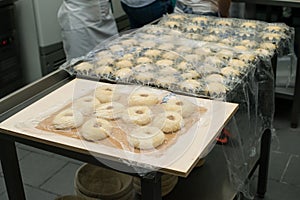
224,59
261,37
160,58
147,129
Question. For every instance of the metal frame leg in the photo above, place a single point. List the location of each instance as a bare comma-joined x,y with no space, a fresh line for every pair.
11,170
264,163
151,186
296,97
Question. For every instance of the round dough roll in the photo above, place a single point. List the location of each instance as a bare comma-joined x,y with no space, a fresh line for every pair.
142,97
146,137
140,115
67,119
110,111
181,106
96,129
168,122
86,105
106,93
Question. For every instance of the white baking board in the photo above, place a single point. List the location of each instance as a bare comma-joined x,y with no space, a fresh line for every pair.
179,159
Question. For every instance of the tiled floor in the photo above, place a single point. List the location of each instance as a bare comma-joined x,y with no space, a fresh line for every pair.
284,176
47,176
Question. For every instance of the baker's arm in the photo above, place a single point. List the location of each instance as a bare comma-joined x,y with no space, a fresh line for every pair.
224,6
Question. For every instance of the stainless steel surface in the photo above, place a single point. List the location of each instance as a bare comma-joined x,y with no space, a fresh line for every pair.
289,3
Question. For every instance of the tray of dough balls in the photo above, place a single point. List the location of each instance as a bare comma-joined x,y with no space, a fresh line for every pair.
150,57
141,126
261,37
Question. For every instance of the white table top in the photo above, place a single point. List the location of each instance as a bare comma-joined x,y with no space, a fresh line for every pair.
178,159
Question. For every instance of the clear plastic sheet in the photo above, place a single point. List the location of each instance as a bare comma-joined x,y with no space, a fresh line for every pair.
238,33
216,58
201,69
147,129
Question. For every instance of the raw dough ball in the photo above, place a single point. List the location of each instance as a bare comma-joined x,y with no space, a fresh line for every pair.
214,78
190,85
249,25
124,64
148,44
168,121
230,72
104,70
164,63
116,48
105,61
191,74
143,60
200,20
123,73
153,53
172,24
142,97
96,129
170,55
106,93
144,77
177,16
86,105
237,64
110,111
182,106
247,57
166,46
140,115
249,44
268,46
225,54
129,42
223,23
166,82
84,67
67,119
215,88
146,137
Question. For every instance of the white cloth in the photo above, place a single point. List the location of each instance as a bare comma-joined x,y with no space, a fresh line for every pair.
137,3
85,24
200,6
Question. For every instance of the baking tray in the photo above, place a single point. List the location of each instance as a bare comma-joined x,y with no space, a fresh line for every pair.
178,159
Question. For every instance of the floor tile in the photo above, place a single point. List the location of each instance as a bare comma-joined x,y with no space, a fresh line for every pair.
62,183
281,191
32,149
22,153
2,185
68,159
4,196
32,193
289,141
37,194
278,162
292,175
38,168
1,172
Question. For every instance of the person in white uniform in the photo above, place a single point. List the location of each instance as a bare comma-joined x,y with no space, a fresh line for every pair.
203,7
84,25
